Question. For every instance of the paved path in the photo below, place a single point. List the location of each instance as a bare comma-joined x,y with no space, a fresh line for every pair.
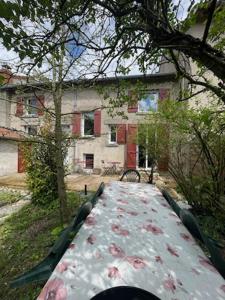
74,182
7,210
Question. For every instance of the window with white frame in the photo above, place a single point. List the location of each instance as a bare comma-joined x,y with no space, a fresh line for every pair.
148,101
144,160
112,134
31,129
31,105
88,124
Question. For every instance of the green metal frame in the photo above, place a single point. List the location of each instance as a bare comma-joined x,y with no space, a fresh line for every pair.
43,270
192,225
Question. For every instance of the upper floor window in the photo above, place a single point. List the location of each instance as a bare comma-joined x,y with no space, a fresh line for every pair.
112,134
88,124
31,105
148,102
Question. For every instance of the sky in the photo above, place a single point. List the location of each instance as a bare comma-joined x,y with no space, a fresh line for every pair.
11,58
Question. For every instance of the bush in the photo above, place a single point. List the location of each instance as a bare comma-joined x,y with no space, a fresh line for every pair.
41,171
196,141
41,165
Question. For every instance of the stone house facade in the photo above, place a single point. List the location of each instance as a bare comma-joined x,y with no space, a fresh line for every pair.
101,139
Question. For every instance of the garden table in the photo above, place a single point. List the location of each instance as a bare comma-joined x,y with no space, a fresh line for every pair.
132,237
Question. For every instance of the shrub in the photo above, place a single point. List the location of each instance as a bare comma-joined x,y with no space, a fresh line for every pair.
196,141
41,167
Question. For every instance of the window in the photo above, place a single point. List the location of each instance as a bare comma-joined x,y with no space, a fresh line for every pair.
31,129
88,124
148,102
31,106
112,134
89,161
144,159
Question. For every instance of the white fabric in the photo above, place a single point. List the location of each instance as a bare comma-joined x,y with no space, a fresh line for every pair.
132,237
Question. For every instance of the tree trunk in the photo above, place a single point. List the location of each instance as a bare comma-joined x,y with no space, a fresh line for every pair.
60,162
57,98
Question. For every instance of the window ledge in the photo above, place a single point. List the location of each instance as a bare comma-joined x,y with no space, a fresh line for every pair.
30,116
145,112
87,137
112,145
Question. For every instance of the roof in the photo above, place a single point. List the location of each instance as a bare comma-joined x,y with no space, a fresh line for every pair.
9,134
158,77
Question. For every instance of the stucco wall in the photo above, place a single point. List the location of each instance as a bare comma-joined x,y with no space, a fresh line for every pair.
202,99
8,157
87,99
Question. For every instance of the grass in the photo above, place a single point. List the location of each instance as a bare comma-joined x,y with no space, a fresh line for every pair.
9,197
25,239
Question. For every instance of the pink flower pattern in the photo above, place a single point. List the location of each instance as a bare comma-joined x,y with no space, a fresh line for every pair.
116,251
62,266
223,288
91,239
54,290
207,264
158,259
119,230
153,229
186,237
113,272
136,237
169,284
90,221
136,262
172,251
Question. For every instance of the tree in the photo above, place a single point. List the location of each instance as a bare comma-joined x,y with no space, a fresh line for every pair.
197,152
141,31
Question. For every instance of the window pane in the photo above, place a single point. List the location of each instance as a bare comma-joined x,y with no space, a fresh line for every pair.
89,124
89,161
141,157
31,106
148,102
113,134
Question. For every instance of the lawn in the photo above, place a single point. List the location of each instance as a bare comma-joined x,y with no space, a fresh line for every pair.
25,239
9,197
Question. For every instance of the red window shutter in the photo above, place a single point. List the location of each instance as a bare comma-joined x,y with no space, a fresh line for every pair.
19,107
164,94
40,105
121,133
76,128
131,146
97,123
134,99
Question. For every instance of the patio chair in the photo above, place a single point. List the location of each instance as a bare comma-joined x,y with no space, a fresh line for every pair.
125,292
131,176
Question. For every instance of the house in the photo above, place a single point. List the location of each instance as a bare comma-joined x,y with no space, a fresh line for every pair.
101,139
10,154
